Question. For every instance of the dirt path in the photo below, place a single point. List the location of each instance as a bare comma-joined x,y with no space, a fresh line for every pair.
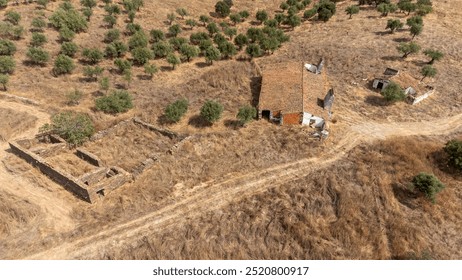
53,209
213,196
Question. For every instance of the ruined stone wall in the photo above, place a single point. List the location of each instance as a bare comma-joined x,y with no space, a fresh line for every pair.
89,157
62,178
169,134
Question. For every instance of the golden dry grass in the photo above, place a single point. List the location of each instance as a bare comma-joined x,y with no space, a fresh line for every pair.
361,208
13,122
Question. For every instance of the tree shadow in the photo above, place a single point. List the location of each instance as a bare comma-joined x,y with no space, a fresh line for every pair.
440,159
420,63
255,87
144,77
163,120
405,195
203,64
166,68
97,93
233,124
382,33
377,101
198,122
390,58
402,40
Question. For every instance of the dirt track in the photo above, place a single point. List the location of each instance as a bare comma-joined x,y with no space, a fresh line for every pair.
215,195
17,185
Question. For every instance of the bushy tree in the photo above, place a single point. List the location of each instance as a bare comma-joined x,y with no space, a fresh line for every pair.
434,55
176,110
13,17
416,29
211,111
132,28
253,50
7,47
414,20
212,54
104,84
393,92
171,17
427,71
110,20
112,9
38,39
122,65
204,19
407,6
150,69
227,49
92,55
138,40
244,14
65,34
254,34
235,18
182,12
246,114
394,24
352,10
87,13
141,55
63,65
219,39
212,28
191,23
293,21
241,40
38,24
197,37
72,19
88,3
173,60
177,42
454,150
174,30
386,8
157,35
115,49
69,49
119,101
112,35
205,44
408,48
92,72
189,51
74,127
37,56
7,64
428,184
261,16
73,97
325,9
4,81
222,9
162,49
3,3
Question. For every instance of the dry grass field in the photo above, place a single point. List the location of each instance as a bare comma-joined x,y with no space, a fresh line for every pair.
255,192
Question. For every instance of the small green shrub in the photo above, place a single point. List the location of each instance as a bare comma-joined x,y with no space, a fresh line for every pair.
428,184
119,101
7,64
73,97
393,92
69,49
7,47
63,65
211,111
74,127
4,80
38,39
37,56
454,150
176,110
13,17
246,114
92,55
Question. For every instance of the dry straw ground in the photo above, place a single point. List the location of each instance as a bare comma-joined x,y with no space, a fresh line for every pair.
356,207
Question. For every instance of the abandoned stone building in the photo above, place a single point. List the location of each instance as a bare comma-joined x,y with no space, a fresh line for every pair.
414,89
295,94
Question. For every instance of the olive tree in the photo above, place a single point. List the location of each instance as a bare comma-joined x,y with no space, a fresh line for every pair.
211,111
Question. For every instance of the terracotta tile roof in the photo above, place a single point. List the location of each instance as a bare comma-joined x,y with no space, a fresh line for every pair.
281,88
315,86
290,88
